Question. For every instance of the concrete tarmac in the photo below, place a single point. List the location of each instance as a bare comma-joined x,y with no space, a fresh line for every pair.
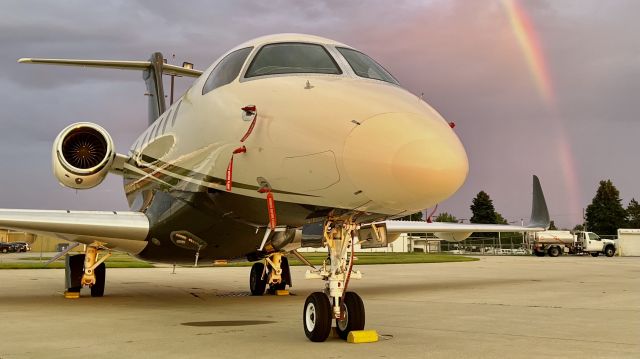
498,307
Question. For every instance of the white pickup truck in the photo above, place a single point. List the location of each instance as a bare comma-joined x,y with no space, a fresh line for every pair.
555,243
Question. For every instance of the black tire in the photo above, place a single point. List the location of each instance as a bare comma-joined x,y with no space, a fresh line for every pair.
97,289
595,254
316,317
4,250
354,315
257,284
286,271
609,251
538,253
74,269
554,251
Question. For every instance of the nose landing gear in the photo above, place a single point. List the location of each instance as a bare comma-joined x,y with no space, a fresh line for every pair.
335,302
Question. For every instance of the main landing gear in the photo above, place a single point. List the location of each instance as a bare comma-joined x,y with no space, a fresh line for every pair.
334,302
274,271
86,270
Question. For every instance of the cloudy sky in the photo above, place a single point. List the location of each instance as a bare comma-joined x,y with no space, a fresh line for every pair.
559,98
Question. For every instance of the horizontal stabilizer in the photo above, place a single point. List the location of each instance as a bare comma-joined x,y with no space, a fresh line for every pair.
113,64
125,231
152,74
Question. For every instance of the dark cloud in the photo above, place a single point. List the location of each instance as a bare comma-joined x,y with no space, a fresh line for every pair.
461,54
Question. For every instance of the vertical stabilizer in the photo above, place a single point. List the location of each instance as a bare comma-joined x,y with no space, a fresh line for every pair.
153,79
539,211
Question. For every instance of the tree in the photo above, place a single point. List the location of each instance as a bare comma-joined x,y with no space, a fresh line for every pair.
578,227
412,217
633,214
552,226
500,219
605,214
483,210
446,217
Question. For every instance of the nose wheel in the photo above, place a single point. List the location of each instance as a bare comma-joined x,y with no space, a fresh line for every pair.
347,308
352,315
316,317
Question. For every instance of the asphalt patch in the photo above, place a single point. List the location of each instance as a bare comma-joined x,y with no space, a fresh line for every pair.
227,323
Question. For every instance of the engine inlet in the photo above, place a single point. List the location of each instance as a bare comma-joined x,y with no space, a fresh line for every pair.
84,148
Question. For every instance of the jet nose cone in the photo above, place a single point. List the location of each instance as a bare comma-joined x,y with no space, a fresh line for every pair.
404,161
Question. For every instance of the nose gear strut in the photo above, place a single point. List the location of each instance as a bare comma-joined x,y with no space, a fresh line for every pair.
345,307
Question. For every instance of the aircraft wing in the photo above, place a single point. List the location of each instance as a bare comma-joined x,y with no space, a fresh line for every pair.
539,221
124,231
426,227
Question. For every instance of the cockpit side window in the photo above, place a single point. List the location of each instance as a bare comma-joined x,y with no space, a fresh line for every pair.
290,58
226,70
364,66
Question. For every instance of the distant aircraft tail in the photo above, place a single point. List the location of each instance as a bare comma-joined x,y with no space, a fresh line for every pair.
539,211
152,74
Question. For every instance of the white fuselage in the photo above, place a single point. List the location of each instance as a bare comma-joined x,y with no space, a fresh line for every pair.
339,141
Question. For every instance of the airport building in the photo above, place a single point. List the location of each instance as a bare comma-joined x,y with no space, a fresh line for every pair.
36,242
628,242
15,236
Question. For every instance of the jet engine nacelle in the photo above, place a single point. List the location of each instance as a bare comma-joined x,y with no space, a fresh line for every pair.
82,153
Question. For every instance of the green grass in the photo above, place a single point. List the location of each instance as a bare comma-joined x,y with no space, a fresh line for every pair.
372,258
117,260
58,265
121,260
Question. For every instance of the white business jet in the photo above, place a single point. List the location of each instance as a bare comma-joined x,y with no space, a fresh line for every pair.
286,141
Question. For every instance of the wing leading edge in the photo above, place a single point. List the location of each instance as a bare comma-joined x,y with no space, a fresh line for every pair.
124,231
539,221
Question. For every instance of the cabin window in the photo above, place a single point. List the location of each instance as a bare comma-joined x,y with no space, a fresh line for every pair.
290,58
226,70
364,66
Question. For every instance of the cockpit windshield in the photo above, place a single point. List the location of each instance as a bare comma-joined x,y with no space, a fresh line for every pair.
289,58
364,66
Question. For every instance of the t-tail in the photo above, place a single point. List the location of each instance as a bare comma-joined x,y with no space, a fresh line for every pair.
152,72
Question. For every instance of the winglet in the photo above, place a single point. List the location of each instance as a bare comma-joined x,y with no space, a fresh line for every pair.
539,212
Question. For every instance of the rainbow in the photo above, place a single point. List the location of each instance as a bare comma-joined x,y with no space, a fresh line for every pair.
530,46
529,43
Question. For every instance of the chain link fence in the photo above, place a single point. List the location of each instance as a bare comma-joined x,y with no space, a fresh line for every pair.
488,246
507,245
